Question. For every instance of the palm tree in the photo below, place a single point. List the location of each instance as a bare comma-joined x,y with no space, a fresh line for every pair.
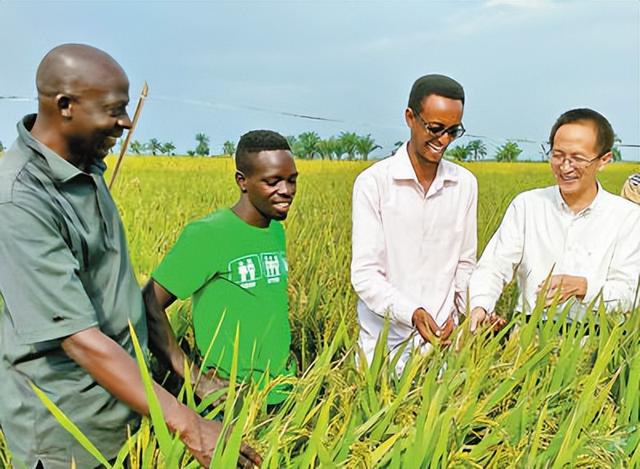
154,146
508,152
308,144
459,152
337,148
349,140
365,145
202,149
294,144
325,148
229,148
137,147
477,148
168,148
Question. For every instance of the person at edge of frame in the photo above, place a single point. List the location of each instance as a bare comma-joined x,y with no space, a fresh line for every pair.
68,285
631,188
582,237
414,229
232,264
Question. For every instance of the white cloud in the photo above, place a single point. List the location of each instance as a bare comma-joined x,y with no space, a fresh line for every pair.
522,4
494,14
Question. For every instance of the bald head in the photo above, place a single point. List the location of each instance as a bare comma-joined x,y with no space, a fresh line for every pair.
71,68
82,103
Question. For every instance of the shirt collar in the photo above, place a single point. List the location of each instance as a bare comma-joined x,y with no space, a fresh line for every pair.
401,169
57,167
597,202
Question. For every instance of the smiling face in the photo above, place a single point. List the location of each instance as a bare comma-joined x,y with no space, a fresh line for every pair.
437,111
97,116
270,184
577,141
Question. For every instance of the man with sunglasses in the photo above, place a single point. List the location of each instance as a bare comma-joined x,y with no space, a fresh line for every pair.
581,238
414,229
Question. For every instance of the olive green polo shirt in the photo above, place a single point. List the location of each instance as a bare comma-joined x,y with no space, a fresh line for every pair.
64,267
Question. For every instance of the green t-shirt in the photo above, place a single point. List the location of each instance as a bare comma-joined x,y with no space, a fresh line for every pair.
237,275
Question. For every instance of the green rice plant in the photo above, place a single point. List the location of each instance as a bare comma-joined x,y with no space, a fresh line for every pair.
534,395
70,427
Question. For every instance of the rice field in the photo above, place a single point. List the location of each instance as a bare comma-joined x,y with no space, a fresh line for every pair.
527,397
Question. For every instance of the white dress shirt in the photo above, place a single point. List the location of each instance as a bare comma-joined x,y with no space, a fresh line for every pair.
410,249
540,235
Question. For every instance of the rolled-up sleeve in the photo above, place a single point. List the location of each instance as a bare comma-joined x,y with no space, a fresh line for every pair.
368,272
39,277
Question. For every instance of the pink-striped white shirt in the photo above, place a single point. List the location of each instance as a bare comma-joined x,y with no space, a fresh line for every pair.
410,249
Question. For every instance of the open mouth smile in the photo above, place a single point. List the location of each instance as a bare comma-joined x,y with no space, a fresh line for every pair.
434,147
567,178
282,205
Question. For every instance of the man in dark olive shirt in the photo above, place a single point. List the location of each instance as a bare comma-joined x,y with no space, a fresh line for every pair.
66,279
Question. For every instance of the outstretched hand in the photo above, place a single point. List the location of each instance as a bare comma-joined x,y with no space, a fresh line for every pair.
201,437
565,286
426,325
428,328
480,318
209,383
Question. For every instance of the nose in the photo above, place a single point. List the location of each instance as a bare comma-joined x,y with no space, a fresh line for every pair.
445,139
566,162
124,121
286,188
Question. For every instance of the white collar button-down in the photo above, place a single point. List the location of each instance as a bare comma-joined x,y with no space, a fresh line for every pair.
540,235
410,249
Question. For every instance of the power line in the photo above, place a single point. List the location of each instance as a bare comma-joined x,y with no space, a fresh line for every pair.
492,141
201,102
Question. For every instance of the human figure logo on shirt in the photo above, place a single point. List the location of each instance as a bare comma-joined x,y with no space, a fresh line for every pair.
248,270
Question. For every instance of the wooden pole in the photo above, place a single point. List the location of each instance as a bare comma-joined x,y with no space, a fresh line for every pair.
125,144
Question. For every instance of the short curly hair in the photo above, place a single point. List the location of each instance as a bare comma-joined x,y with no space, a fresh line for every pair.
439,85
254,142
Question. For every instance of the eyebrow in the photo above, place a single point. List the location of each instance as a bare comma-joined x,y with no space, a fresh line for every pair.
279,176
117,102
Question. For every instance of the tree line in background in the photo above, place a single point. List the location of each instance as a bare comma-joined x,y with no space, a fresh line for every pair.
345,146
476,150
307,145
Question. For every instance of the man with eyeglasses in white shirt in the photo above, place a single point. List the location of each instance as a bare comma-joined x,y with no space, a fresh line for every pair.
414,228
585,238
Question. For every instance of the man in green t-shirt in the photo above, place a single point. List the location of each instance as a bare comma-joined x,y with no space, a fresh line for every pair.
232,263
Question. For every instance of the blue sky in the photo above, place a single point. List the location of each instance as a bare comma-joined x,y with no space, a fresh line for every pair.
226,67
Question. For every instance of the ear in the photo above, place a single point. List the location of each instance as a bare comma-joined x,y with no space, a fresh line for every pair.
409,117
604,160
64,104
241,181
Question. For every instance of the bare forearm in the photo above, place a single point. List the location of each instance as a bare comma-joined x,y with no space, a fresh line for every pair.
162,340
116,371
